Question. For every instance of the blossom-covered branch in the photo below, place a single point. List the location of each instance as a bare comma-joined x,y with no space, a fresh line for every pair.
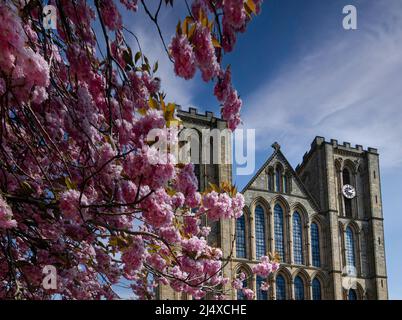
81,187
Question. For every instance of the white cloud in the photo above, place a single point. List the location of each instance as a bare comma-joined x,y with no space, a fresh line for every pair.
349,88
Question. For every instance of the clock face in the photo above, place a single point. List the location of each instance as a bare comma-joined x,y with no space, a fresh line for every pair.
349,191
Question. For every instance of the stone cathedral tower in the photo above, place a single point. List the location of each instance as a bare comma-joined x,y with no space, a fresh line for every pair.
345,182
323,218
214,147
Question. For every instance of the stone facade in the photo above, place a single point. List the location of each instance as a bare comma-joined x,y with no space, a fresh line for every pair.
350,259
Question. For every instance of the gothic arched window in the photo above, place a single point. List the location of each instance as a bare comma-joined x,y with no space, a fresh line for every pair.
260,232
280,288
271,180
297,239
346,176
316,288
278,178
285,184
315,245
352,295
240,294
261,294
348,202
299,288
350,248
278,230
241,237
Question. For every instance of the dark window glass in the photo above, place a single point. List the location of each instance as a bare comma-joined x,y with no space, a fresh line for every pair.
270,181
278,229
278,177
260,232
316,288
352,294
350,248
299,288
346,176
285,184
241,237
315,245
297,239
348,207
280,288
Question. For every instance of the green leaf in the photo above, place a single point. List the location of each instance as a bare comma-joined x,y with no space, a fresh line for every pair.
69,183
155,67
137,56
128,57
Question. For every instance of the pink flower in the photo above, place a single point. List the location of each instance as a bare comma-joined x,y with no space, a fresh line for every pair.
178,200
183,56
223,86
237,205
221,205
237,284
186,181
191,225
6,215
265,267
234,12
70,204
130,4
156,261
39,95
133,257
158,211
205,53
129,191
111,17
195,245
231,109
169,234
248,293
264,286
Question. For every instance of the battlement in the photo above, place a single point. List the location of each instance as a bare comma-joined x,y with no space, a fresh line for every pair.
318,142
206,119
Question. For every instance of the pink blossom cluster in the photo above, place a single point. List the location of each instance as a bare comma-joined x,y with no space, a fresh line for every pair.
222,206
110,15
156,168
70,204
200,53
198,50
205,53
265,267
81,186
130,4
157,209
133,257
248,293
234,20
228,96
6,216
186,182
194,245
183,56
24,69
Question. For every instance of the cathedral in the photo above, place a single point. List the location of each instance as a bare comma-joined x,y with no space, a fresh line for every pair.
323,219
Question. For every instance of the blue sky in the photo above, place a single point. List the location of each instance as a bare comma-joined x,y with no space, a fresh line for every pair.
300,74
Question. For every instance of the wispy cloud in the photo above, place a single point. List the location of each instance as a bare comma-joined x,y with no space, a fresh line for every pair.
347,87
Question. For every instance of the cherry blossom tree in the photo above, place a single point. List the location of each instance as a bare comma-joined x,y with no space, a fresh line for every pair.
81,187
